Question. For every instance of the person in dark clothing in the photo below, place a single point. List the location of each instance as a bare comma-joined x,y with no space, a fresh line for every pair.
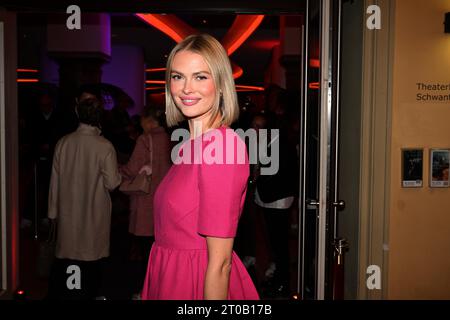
43,123
275,194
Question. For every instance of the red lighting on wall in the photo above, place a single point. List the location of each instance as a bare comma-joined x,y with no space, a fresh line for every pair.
240,87
27,80
314,63
155,69
23,73
155,81
314,85
155,88
27,70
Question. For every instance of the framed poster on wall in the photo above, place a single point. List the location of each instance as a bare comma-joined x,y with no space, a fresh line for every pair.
412,168
439,166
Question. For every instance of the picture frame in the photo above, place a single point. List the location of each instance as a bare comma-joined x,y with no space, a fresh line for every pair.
439,167
412,167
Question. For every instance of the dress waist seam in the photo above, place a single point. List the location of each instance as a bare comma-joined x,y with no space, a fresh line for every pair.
178,249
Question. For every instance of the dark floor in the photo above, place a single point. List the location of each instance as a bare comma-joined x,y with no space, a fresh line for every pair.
121,273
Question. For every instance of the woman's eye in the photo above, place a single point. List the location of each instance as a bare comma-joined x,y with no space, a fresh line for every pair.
176,77
201,77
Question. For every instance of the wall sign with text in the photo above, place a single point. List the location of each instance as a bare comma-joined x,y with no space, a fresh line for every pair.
433,92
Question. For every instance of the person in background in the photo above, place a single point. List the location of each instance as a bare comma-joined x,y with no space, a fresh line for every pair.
117,123
275,194
84,171
42,125
152,146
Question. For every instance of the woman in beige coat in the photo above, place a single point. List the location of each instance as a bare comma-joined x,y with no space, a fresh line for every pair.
84,171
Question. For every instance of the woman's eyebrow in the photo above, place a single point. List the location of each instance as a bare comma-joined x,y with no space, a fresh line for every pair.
195,73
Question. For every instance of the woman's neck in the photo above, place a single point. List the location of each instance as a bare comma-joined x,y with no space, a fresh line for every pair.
198,127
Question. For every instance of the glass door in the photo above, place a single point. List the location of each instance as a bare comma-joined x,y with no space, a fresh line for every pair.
318,196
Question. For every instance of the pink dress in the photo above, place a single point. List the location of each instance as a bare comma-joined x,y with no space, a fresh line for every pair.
195,200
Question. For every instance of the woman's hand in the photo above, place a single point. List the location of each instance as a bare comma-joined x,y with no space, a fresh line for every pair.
147,169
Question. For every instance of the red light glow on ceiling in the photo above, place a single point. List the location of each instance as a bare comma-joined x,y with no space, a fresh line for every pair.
243,26
168,24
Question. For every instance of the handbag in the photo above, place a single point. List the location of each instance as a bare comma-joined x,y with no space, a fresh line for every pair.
140,184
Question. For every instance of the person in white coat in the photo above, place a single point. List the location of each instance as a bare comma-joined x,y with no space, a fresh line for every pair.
84,171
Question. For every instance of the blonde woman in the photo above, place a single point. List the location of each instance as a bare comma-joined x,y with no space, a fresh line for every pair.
198,204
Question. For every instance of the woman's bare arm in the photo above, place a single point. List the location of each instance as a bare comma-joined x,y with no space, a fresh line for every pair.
217,276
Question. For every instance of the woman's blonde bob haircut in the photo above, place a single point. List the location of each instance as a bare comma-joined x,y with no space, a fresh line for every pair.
226,103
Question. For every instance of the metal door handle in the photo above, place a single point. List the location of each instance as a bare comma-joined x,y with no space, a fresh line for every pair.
312,203
340,205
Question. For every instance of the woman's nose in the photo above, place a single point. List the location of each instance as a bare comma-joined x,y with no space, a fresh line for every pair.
187,88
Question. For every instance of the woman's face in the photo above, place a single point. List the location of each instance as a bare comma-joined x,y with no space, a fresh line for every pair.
147,124
192,86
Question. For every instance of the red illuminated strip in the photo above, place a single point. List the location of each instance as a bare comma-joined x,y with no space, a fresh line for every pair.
155,81
27,80
314,85
169,24
237,71
251,88
155,69
158,24
154,88
314,63
27,70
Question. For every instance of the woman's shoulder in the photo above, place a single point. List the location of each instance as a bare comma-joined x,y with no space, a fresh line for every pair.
225,146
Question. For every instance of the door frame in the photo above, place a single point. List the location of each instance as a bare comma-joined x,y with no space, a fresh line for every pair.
324,150
376,127
9,145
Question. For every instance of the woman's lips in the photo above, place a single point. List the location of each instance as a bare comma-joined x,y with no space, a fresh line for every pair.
189,101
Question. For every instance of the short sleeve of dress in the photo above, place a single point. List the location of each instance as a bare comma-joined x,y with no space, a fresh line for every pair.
222,188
